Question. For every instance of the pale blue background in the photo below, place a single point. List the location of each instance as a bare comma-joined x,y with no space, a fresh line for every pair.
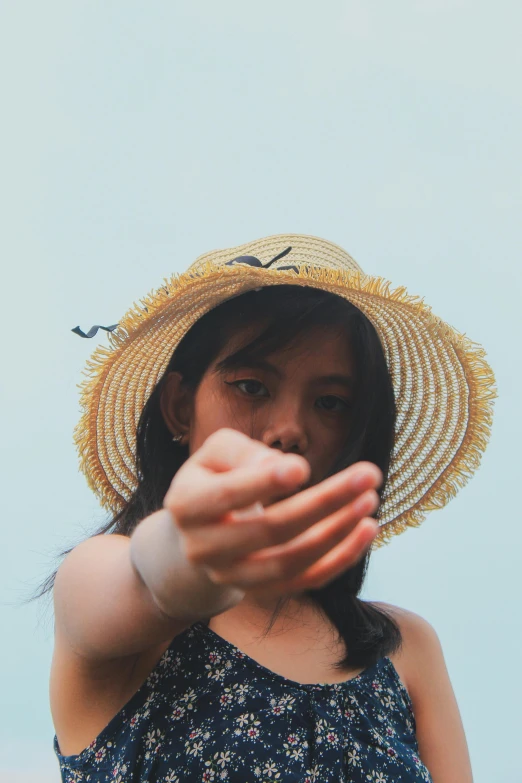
137,135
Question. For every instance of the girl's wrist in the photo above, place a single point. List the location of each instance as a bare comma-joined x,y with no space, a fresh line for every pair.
179,588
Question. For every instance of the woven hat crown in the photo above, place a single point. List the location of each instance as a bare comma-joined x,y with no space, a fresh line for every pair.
304,251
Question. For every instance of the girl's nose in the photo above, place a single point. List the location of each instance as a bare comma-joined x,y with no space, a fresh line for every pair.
288,435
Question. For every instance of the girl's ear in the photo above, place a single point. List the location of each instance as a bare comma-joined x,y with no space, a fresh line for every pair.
176,406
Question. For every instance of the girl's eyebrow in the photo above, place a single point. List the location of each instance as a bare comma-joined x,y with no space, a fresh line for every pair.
342,380
262,364
251,362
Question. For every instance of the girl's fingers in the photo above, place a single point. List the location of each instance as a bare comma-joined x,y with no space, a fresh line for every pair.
328,568
342,557
203,497
223,452
227,448
286,562
290,517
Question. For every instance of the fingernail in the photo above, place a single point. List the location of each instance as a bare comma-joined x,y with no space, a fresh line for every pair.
360,480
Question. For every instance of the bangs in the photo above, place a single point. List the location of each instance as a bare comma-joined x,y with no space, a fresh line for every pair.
285,314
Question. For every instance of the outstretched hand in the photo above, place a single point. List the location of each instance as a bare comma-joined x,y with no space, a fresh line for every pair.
277,546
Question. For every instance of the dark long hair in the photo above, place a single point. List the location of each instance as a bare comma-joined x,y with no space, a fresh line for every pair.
284,312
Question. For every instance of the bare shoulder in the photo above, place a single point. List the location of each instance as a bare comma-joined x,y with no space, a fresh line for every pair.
419,642
414,628
422,667
404,617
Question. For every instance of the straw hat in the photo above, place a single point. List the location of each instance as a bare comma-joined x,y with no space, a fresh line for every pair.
443,386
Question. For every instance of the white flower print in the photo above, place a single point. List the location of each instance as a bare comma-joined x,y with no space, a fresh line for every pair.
100,754
271,769
171,778
196,748
152,737
223,759
153,678
282,704
178,713
249,721
313,773
252,732
332,737
294,753
213,670
352,757
190,698
76,777
387,701
165,661
375,734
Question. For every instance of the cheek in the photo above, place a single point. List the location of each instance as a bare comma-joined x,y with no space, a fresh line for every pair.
212,412
208,418
328,444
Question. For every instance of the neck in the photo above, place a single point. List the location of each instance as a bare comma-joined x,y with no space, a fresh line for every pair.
254,615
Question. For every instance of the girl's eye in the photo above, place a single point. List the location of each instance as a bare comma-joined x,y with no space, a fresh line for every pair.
251,387
333,404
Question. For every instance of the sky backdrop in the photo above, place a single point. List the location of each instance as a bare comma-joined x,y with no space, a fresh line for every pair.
136,136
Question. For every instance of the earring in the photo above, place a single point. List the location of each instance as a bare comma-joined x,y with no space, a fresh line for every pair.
177,438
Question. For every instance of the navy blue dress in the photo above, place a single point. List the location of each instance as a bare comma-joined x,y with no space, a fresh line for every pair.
208,712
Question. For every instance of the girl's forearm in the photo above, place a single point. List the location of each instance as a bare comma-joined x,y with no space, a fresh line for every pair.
179,588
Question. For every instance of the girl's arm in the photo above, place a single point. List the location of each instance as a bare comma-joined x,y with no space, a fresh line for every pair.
105,610
440,733
117,596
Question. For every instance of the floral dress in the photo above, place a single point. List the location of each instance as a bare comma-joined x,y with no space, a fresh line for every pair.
208,712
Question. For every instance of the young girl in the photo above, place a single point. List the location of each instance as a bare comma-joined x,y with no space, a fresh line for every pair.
258,426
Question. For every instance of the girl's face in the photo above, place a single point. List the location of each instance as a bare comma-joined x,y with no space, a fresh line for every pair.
298,399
